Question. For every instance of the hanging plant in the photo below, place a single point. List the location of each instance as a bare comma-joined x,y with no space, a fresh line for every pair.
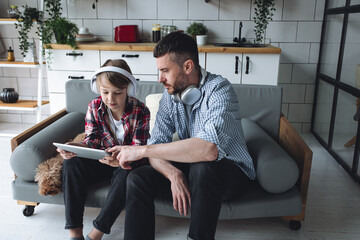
25,22
263,15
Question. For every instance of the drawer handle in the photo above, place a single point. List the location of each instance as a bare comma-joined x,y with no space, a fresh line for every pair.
74,54
236,65
247,65
74,77
130,56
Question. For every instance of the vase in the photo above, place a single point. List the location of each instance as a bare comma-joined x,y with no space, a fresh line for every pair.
9,95
201,39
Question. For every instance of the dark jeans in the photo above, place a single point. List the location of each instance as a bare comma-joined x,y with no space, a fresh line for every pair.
77,175
210,183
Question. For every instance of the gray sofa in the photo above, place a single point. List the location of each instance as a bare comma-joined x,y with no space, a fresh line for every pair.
281,157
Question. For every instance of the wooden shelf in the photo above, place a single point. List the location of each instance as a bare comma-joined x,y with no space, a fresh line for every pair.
7,20
22,104
19,64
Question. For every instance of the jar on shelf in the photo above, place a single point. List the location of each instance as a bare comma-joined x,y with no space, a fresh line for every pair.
9,95
13,11
10,55
166,29
156,34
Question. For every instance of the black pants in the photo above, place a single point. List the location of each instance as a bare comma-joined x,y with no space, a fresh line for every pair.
210,184
77,175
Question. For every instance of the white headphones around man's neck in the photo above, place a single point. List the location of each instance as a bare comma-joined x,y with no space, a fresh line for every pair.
132,86
191,94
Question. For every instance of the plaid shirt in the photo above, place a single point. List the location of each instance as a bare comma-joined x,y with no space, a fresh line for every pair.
136,119
214,118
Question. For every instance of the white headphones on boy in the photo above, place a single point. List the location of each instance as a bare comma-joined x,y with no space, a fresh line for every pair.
191,94
131,88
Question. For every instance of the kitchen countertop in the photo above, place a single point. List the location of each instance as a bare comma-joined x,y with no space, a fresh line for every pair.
113,46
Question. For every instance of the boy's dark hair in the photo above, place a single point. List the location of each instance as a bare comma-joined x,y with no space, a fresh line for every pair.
181,48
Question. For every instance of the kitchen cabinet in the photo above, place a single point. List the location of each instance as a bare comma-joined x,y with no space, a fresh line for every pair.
239,65
245,68
142,64
65,65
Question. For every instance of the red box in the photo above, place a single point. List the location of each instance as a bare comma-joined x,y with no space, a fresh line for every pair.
127,33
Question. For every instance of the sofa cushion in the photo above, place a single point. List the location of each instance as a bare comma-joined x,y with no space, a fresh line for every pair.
276,171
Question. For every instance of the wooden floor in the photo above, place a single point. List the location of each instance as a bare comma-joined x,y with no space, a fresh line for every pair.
333,210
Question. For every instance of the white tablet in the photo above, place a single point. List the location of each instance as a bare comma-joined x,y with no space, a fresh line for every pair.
83,152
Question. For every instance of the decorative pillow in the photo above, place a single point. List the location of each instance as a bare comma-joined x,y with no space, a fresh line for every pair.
152,102
276,171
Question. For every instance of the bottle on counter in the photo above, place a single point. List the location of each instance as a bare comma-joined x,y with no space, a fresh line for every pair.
10,55
13,11
156,34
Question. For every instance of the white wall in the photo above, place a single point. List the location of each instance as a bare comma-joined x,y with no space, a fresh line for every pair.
296,30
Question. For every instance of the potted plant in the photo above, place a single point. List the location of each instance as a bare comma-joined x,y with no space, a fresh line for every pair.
25,22
263,15
198,31
56,26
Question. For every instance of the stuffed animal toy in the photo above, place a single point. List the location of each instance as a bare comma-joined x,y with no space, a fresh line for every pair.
48,173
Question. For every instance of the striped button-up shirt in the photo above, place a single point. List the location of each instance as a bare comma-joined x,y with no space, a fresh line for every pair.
214,118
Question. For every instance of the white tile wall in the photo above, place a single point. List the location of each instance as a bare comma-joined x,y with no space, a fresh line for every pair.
299,10
80,9
172,9
139,9
201,10
112,9
308,32
235,10
295,29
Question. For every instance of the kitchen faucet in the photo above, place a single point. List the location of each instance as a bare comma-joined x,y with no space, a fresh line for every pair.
239,40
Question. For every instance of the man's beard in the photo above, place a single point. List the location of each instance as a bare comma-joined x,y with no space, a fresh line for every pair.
179,84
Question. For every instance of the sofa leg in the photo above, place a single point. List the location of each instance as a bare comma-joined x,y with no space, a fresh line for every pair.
294,225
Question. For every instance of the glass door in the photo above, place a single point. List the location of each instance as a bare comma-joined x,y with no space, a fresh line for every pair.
336,110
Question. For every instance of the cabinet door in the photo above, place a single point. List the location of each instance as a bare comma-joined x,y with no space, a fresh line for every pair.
228,65
57,79
78,60
139,62
260,69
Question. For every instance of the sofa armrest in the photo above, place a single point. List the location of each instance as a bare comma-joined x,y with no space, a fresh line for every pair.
39,147
296,147
17,140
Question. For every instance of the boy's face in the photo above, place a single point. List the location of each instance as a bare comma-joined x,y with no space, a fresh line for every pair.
113,97
172,76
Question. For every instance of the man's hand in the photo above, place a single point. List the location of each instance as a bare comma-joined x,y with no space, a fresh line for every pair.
180,193
127,154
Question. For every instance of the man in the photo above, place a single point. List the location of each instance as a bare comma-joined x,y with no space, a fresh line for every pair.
210,163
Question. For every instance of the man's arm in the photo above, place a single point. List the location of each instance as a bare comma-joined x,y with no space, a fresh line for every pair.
187,151
179,186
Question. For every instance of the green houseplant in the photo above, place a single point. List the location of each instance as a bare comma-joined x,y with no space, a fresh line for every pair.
198,31
25,22
263,15
196,28
54,26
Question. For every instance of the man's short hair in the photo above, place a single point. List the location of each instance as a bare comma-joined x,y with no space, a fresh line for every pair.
181,48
